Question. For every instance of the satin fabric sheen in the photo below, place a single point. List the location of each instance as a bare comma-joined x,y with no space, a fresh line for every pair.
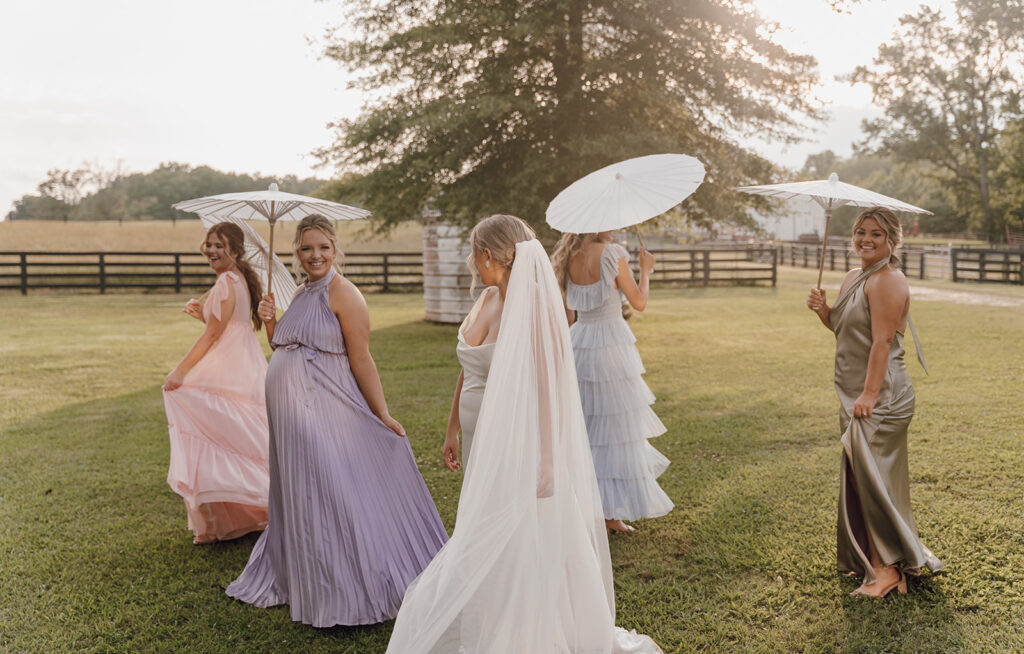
476,364
351,521
217,421
874,486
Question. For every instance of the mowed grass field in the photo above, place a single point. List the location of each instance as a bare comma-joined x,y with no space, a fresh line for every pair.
95,554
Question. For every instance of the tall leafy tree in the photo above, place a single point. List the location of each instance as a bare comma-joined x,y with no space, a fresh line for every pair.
496,105
948,86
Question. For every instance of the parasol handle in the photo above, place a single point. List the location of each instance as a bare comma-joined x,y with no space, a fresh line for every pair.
824,243
636,228
270,259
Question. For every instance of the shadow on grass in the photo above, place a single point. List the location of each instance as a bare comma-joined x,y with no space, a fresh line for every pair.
97,554
746,562
923,620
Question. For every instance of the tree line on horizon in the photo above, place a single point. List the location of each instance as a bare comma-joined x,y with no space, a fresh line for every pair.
92,192
498,105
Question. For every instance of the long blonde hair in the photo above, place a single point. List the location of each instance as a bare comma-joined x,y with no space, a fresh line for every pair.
567,247
499,234
890,224
316,221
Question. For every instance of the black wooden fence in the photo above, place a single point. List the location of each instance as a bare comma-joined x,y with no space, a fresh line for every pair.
178,271
371,271
958,264
1001,266
714,266
915,263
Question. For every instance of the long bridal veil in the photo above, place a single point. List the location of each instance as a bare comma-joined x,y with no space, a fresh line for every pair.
527,568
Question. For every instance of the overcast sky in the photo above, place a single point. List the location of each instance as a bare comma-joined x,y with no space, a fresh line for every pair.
237,85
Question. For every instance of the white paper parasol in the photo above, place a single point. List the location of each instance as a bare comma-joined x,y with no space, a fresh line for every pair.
256,250
830,194
625,193
270,205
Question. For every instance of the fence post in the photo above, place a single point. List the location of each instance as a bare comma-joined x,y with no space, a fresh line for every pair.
775,264
103,273
385,288
903,264
707,266
693,265
177,273
24,273
922,264
953,262
832,259
981,266
846,259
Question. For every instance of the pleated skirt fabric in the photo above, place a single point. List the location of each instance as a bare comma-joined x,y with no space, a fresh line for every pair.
351,520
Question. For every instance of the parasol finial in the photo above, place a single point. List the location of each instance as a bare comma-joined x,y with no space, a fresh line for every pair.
833,178
273,187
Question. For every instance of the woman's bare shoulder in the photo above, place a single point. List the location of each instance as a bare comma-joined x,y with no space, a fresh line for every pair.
343,293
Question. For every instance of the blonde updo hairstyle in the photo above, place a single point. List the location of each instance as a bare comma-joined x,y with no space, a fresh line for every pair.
315,221
499,234
890,224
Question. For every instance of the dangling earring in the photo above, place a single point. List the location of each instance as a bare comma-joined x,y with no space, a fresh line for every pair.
487,264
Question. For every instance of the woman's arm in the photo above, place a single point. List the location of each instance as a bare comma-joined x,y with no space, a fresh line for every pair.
268,313
816,300
636,294
349,307
887,300
450,453
211,334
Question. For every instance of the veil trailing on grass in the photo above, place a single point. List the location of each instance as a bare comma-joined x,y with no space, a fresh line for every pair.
527,568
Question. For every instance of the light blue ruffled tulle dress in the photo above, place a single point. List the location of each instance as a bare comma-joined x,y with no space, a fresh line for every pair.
616,400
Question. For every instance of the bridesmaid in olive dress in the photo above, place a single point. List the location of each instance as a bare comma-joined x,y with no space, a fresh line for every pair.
877,536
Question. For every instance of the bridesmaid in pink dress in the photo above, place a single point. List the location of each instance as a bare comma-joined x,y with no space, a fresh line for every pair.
214,398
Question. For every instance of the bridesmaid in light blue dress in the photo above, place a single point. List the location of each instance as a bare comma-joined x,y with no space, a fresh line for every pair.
595,274
351,522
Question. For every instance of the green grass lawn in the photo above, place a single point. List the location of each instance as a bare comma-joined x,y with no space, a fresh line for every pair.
95,554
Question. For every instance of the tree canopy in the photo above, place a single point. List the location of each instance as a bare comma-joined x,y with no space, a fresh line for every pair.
949,85
487,106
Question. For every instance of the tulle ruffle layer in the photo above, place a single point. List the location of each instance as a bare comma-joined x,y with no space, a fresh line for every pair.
600,334
635,460
594,296
633,499
617,428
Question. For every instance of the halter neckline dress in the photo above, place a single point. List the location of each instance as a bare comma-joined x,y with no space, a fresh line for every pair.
874,486
351,520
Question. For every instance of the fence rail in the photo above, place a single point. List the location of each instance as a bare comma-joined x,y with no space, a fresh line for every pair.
381,271
178,271
988,266
958,264
714,266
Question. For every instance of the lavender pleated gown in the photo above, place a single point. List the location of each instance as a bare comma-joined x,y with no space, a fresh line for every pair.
351,522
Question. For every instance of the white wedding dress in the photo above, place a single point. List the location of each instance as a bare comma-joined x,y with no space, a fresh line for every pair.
527,568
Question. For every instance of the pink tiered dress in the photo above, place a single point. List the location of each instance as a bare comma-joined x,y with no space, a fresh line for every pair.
218,427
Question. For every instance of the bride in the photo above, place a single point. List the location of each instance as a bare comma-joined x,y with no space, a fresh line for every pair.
527,568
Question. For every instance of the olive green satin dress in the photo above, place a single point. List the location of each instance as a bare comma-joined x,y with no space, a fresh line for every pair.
874,479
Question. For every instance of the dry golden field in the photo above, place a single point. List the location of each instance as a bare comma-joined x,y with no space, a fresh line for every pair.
163,236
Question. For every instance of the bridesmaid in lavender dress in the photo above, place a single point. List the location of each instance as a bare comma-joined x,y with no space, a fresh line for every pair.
351,522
